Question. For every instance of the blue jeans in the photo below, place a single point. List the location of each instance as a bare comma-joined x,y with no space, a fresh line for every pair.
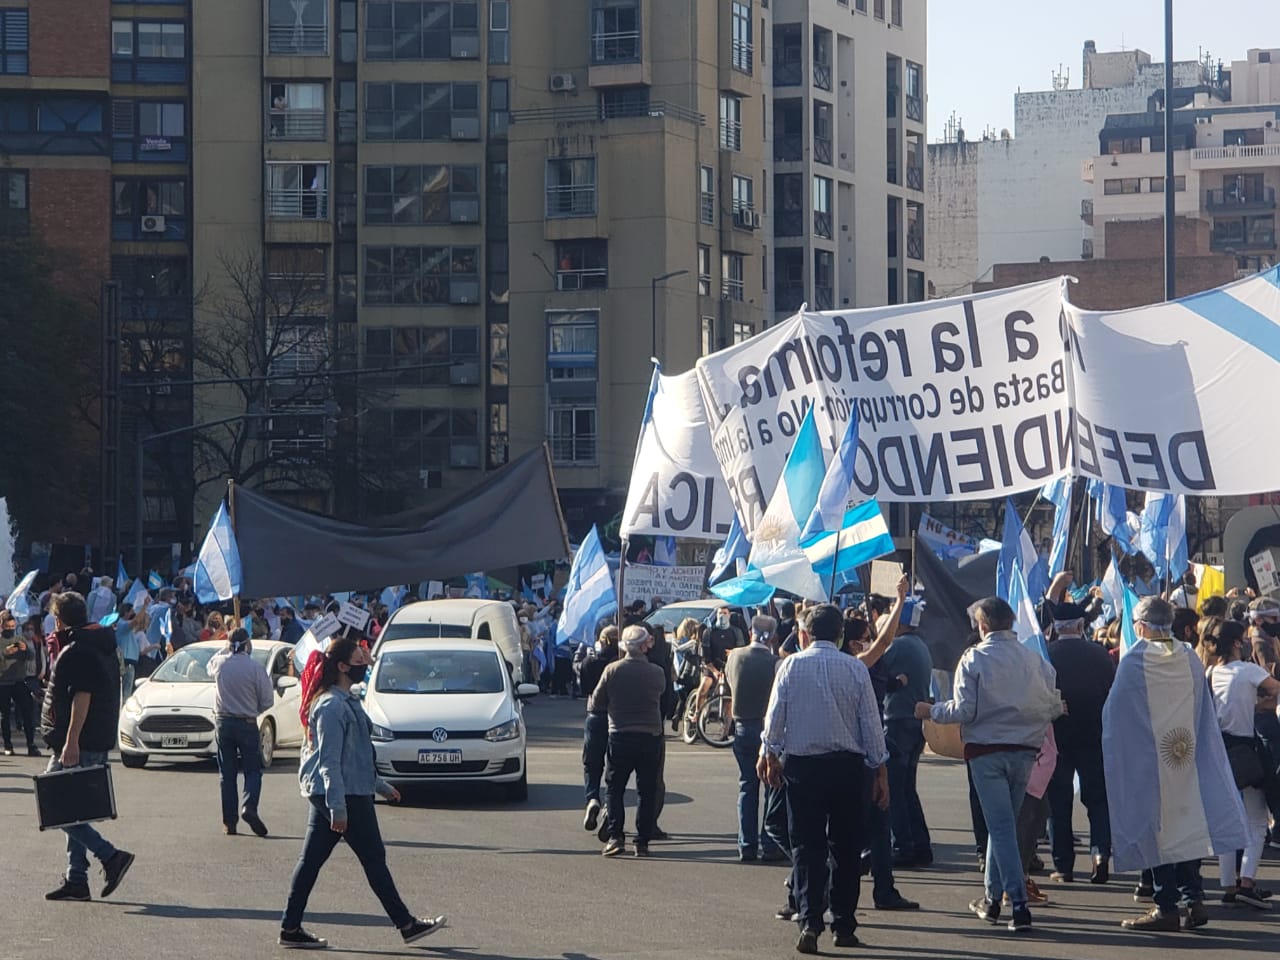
1001,782
595,745
238,750
365,841
82,839
905,740
878,842
1175,883
128,671
1085,759
746,750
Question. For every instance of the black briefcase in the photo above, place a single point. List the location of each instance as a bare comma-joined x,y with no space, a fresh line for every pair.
77,795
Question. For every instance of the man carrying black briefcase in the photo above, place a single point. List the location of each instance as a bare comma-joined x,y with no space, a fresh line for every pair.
78,721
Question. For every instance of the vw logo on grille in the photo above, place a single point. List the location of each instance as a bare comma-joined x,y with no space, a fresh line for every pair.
439,734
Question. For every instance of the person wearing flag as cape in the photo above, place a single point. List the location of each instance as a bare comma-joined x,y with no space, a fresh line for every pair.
1170,790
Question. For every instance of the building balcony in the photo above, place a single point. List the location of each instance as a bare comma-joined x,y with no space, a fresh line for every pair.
788,74
296,125
915,108
788,298
822,225
1234,241
823,298
307,40
731,135
915,244
590,278
788,223
821,150
616,60
1251,199
1227,158
915,177
822,76
617,111
298,204
741,54
788,148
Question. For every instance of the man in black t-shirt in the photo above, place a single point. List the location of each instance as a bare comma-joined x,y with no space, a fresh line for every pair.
78,721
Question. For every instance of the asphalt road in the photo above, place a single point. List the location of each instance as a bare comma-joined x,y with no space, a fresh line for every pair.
525,882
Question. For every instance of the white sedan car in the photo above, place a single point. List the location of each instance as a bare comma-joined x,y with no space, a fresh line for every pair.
447,711
171,712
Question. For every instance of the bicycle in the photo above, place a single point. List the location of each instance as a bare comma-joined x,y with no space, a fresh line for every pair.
715,719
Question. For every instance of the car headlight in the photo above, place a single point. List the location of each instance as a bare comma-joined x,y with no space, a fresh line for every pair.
382,734
503,731
132,707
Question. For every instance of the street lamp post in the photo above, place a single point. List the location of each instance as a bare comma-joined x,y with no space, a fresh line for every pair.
1170,195
653,305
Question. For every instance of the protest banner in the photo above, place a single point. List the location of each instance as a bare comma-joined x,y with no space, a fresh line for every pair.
944,541
645,582
350,615
956,399
677,488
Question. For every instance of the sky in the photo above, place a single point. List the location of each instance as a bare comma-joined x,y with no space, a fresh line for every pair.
981,52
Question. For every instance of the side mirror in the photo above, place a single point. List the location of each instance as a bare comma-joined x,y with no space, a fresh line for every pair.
527,691
284,683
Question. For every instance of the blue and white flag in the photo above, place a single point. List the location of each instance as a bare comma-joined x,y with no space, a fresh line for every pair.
1153,531
1058,492
1112,514
1025,621
137,597
477,586
589,595
1017,548
122,576
1172,796
828,513
861,537
392,597
154,581
218,569
1128,633
736,547
161,616
664,551
1176,541
748,590
18,602
775,549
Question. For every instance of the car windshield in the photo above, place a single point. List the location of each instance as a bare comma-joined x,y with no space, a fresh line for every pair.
191,665
439,671
425,631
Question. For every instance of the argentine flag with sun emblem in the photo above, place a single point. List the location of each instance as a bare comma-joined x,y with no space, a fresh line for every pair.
1169,786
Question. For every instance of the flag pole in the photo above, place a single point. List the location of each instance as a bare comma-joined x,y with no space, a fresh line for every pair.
835,564
622,570
231,513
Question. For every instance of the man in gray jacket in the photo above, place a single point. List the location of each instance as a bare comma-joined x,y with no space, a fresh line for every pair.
1005,698
749,671
243,691
630,692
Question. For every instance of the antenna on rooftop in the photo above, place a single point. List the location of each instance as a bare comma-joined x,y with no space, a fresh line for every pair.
1061,78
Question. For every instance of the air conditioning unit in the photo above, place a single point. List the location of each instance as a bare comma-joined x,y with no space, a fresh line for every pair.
746,219
755,221
562,83
153,224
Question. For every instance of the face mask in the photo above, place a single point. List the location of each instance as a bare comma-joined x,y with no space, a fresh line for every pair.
7,633
358,673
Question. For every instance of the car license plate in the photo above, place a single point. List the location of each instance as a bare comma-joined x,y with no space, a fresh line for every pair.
173,740
439,756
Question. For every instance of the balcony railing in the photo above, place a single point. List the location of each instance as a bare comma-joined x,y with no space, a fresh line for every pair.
822,76
296,124
707,207
915,244
823,298
915,109
731,135
621,47
588,278
822,225
740,54
1241,199
788,223
821,150
580,448
1257,152
788,148
614,111
571,200
915,177
1234,239
788,297
298,204
298,39
788,74
732,289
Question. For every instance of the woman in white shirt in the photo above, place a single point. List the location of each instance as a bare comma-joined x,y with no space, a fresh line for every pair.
1236,684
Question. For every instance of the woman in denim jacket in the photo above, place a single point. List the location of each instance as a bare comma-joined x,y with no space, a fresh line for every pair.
337,775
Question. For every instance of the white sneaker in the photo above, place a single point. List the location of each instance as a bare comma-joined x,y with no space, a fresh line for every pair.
592,819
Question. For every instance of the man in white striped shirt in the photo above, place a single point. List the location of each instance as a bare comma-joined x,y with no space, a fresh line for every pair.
822,735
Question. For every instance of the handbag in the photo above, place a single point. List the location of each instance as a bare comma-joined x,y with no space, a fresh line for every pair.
1246,765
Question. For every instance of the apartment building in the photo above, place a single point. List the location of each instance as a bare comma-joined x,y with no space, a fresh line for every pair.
849,174
1226,144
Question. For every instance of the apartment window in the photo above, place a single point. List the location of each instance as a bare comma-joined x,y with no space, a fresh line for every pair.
298,191
915,286
427,194
582,264
730,122
15,216
150,278
571,187
499,434
13,42
1117,145
298,27
1121,185
297,278
499,31
624,102
572,358
732,277
915,230
740,36
159,127
707,194
442,356
1156,185
412,30
415,276
348,34
915,160
148,52
497,267
425,439
788,279
615,31
822,132
915,92
788,55
742,332
878,9
822,207
499,108
743,200
704,270
893,213
295,111
895,9
823,279
822,58
708,335
422,111
160,41
147,208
